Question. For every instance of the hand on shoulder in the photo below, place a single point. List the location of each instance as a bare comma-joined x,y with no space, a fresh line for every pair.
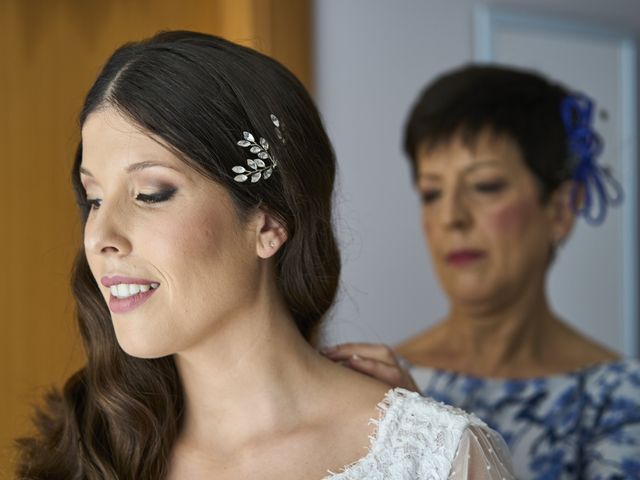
376,360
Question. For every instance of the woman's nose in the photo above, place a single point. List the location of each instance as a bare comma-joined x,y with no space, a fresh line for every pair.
106,232
455,211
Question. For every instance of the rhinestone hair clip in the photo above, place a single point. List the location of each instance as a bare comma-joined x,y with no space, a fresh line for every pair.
261,167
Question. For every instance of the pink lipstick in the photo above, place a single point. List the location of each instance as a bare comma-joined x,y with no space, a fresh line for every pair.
128,293
461,258
124,305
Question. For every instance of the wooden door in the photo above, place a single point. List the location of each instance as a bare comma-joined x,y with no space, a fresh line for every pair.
50,52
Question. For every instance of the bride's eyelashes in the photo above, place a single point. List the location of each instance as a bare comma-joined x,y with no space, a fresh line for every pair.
149,198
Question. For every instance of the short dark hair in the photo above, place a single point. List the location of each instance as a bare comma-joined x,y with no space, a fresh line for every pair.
523,105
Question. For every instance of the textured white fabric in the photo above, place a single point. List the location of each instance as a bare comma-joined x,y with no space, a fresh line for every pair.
418,438
481,453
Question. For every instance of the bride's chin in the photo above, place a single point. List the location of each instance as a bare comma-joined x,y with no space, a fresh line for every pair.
144,346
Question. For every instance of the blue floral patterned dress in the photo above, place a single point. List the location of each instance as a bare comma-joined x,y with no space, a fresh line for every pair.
581,425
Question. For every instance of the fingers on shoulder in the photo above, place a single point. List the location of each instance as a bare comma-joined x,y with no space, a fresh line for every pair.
389,374
373,351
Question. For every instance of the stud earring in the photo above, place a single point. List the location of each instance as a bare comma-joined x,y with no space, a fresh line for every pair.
272,243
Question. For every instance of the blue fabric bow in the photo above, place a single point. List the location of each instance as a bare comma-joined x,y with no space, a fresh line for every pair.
601,190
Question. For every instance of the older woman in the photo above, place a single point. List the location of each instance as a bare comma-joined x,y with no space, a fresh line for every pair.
205,179
503,160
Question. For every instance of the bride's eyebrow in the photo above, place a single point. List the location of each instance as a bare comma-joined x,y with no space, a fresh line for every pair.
135,167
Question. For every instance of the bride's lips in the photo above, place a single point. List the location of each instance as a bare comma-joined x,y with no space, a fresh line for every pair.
118,279
461,258
124,305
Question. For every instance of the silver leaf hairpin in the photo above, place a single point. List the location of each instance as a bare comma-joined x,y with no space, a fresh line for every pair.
261,167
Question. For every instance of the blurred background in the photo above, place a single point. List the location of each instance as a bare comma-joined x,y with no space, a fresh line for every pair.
364,61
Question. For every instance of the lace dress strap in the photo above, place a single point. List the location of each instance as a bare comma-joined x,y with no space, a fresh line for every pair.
419,438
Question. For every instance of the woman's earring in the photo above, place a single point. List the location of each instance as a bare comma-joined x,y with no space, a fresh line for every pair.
272,243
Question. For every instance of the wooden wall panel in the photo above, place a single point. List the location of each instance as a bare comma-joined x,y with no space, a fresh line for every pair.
50,53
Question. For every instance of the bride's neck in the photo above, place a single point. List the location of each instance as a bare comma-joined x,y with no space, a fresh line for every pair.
249,376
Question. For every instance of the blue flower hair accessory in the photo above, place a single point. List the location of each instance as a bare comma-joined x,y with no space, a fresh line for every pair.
601,190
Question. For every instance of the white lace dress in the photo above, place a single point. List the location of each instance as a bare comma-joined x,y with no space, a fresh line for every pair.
418,438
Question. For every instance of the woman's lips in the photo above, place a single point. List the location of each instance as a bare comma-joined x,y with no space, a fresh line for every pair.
461,258
124,305
118,279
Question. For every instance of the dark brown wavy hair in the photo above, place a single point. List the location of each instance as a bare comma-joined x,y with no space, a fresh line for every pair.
118,417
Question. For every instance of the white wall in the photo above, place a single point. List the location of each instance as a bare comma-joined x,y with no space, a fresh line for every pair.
372,58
